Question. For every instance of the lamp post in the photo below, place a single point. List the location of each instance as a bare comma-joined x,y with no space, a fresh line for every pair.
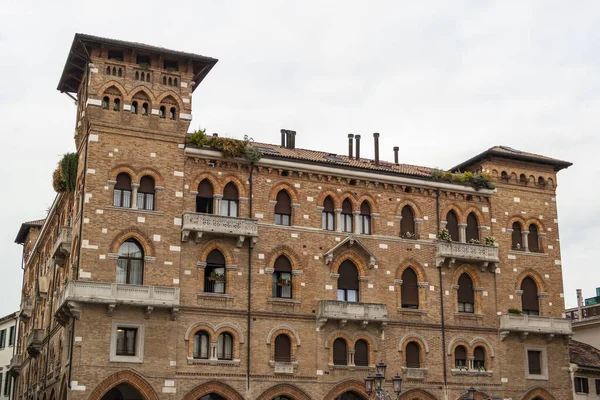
374,384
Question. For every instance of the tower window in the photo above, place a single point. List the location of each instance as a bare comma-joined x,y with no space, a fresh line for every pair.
115,55
172,113
134,106
162,111
105,102
145,109
117,105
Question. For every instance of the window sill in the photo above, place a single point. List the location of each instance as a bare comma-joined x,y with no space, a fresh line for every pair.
208,295
468,315
134,210
283,300
411,310
351,367
201,361
536,377
126,359
471,372
527,253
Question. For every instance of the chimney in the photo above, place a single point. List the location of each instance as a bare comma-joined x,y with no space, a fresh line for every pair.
350,137
396,148
283,134
293,137
357,137
376,138
288,139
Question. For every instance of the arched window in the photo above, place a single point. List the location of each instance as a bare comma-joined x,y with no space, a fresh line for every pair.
122,193
452,225
347,225
472,228
529,299
107,70
114,71
230,201
517,237
340,352
466,296
117,104
327,217
523,178
225,347
348,282
105,102
201,345
120,72
361,353
162,112
137,75
214,273
364,220
413,355
172,113
409,291
145,109
204,198
407,224
460,357
282,278
170,81
164,80
504,176
283,348
533,240
283,209
148,77
479,358
541,181
134,107
130,264
175,82
145,197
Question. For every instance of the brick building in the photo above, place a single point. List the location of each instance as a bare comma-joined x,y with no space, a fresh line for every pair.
181,271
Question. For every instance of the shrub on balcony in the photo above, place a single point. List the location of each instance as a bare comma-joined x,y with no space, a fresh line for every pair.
515,311
444,236
473,241
491,241
477,180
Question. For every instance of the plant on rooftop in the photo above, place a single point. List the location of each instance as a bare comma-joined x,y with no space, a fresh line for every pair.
231,148
64,177
477,180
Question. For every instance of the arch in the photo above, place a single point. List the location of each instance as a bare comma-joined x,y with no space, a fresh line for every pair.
534,221
523,178
139,236
413,337
532,393
283,250
108,84
286,329
351,198
217,244
346,386
417,213
550,182
216,387
516,218
485,344
351,255
123,168
415,265
458,341
141,88
227,327
129,377
214,181
323,195
175,96
474,210
283,389
241,187
417,394
537,278
452,207
351,337
291,191
371,200
200,326
469,270
158,179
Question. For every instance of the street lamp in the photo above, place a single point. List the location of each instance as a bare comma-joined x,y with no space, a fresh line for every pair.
374,384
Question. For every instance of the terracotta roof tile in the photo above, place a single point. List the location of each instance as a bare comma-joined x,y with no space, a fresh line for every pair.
584,354
509,152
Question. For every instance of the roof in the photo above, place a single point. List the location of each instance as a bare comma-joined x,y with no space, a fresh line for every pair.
584,355
513,154
9,317
24,230
79,56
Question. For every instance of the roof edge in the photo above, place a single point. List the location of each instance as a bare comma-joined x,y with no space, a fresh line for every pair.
557,164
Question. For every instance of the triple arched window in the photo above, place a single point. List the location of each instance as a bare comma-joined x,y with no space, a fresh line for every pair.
283,209
347,225
214,273
348,284
130,264
466,295
282,278
328,215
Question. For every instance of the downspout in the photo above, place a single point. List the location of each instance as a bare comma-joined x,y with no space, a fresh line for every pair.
249,279
437,210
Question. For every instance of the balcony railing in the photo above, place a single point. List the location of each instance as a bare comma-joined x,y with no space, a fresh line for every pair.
526,324
199,224
113,294
485,255
34,342
344,311
26,308
62,245
16,362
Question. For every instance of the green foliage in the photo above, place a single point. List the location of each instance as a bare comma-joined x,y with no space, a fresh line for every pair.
477,180
64,177
57,181
444,235
231,148
490,241
515,311
473,241
144,65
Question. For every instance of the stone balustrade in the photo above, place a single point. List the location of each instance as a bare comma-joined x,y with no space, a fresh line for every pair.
344,311
484,255
200,224
526,324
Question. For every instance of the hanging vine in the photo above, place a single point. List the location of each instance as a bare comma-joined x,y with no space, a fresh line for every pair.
64,177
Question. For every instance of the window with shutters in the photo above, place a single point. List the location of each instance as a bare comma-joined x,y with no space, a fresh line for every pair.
466,296
452,225
340,352
517,236
282,278
534,362
214,273
533,241
201,345
581,385
413,355
130,264
122,191
225,347
364,218
328,215
146,193
204,198
361,353
460,357
230,202
348,283
347,225
283,348
409,291
529,299
472,229
283,209
407,223
479,359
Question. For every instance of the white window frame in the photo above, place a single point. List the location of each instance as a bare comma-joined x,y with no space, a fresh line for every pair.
139,345
543,361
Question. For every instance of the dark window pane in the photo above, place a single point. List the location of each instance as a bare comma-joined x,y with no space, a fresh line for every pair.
529,299
283,349
452,225
472,228
413,356
409,291
517,237
361,353
340,352
407,224
534,362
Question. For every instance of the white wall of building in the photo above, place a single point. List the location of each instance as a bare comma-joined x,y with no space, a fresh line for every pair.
6,349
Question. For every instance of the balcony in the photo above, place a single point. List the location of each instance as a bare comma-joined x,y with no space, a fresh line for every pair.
199,224
26,308
34,342
484,255
14,368
343,311
62,245
526,324
112,294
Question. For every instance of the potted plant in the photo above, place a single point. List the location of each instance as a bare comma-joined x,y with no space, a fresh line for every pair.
284,282
444,235
215,276
473,241
409,235
491,241
515,311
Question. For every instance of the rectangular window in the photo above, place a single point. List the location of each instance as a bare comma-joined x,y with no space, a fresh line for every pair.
597,386
581,385
7,384
534,358
2,338
229,208
126,341
11,336
466,307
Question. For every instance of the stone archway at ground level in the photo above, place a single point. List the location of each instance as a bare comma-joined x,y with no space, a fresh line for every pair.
130,380
416,394
283,390
538,394
213,388
344,390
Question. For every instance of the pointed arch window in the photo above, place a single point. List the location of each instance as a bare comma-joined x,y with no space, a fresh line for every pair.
117,104
472,228
466,295
204,198
201,345
230,201
134,107
283,348
214,273
105,102
460,357
282,278
146,193
479,358
413,355
145,109
529,299
327,217
409,291
172,113
347,225
162,112
130,264
122,191
407,224
452,225
517,236
364,219
361,353
340,352
533,240
225,347
348,284
283,209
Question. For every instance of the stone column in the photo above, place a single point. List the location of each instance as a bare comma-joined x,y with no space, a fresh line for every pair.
542,241
217,204
525,240
462,233
356,215
134,194
338,219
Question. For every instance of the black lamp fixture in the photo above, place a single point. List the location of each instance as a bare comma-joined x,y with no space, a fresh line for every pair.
374,384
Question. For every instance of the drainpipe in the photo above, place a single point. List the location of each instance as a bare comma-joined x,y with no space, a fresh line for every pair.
439,267
250,194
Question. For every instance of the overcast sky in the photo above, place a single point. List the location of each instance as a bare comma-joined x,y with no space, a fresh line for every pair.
444,81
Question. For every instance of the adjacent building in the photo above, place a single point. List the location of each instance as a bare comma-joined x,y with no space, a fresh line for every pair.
8,335
181,266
